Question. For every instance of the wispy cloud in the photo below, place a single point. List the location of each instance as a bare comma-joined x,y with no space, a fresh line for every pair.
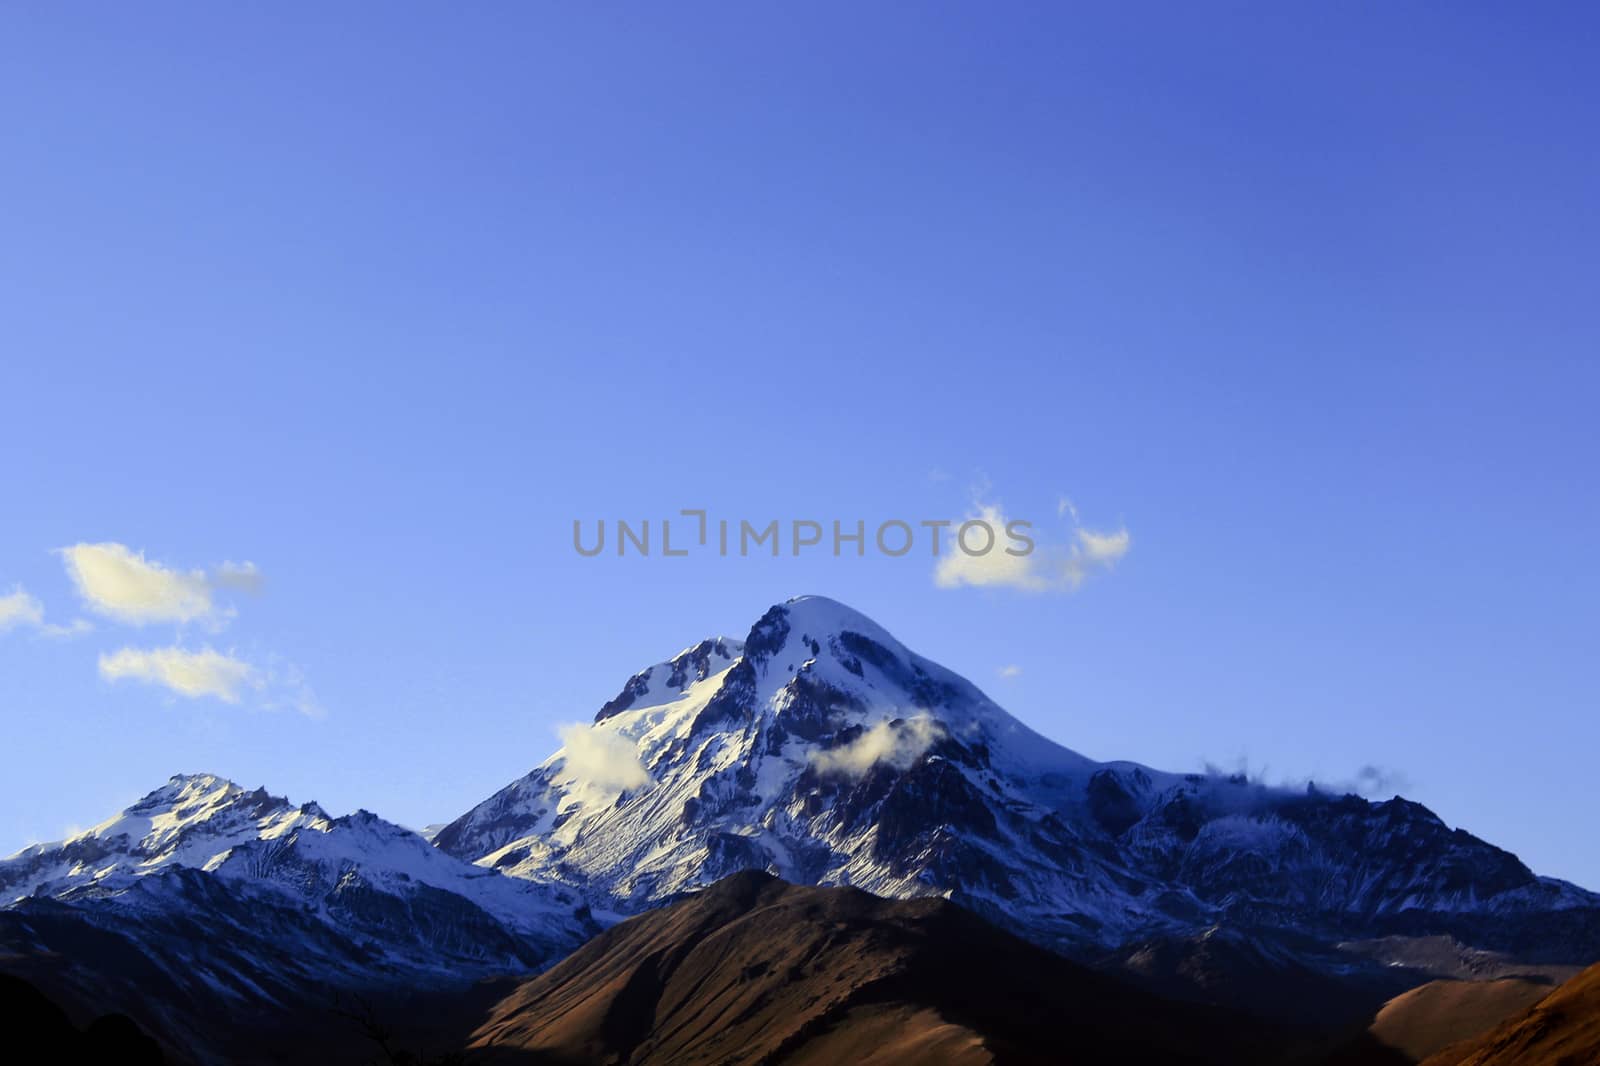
1373,780
1052,566
191,674
899,743
601,757
122,584
1010,670
1370,780
21,610
17,609
284,686
241,577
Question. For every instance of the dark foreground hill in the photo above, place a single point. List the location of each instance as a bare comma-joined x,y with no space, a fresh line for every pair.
754,970
38,1029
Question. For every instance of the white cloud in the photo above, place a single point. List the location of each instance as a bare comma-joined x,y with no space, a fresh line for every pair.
124,585
20,609
191,674
1011,670
600,757
898,743
1059,567
1103,549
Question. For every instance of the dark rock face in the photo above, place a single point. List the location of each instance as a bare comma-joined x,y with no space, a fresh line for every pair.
695,664
1115,800
638,685
768,635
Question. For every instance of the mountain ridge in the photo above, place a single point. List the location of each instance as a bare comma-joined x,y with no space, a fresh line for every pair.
826,752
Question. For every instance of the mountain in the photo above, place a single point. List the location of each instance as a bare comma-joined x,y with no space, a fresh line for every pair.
1562,1029
206,902
753,970
235,926
821,749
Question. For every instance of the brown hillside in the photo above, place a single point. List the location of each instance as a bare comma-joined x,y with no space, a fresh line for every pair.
1562,1029
756,970
1439,1013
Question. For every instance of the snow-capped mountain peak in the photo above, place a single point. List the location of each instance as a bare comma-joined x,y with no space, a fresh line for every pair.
823,750
193,820
726,766
669,680
347,900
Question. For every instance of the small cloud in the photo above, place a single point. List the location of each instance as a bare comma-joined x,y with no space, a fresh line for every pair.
1370,780
1379,781
601,757
1047,567
189,674
899,743
284,686
1103,549
17,608
1011,670
75,628
241,577
122,584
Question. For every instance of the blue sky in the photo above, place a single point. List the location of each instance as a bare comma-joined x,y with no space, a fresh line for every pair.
381,299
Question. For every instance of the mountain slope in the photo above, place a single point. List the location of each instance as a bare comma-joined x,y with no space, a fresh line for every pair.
1562,1029
358,874
755,970
204,901
1426,1019
824,751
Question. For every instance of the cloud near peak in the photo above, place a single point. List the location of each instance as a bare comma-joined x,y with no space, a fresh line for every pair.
899,743
601,757
122,584
1049,567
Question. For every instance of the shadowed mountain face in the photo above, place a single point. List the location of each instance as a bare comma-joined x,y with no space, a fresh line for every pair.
1562,1029
756,970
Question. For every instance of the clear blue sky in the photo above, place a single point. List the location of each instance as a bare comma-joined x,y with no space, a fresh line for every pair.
381,298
